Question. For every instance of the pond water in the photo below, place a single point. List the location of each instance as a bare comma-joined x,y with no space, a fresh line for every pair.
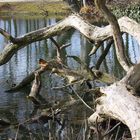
16,107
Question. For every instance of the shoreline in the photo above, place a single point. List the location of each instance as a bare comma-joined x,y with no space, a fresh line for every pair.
17,1
32,9
57,8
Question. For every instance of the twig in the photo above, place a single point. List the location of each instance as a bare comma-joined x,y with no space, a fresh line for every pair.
7,35
30,134
117,133
65,46
17,132
112,129
123,136
81,99
95,48
68,85
111,137
108,126
99,134
58,49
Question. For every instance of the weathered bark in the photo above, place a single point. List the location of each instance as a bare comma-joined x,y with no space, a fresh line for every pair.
117,36
91,32
119,103
118,100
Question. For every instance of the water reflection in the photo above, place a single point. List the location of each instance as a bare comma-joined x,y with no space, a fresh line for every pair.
16,106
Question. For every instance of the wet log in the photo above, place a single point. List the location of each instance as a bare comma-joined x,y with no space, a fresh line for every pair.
118,103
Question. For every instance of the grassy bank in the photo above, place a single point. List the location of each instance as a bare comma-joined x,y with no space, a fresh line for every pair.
33,9
60,9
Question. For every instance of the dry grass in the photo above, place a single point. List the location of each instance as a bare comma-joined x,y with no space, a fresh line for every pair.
34,8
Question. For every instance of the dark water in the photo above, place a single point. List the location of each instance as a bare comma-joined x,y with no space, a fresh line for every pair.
15,107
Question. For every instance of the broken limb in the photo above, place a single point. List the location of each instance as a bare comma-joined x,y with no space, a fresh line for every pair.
72,76
35,89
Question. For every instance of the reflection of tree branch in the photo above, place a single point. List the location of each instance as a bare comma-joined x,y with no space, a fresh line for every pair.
59,48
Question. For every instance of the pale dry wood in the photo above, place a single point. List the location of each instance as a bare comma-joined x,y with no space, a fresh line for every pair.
118,103
118,100
91,32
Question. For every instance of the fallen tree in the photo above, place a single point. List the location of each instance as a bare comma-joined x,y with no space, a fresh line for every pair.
118,100
94,33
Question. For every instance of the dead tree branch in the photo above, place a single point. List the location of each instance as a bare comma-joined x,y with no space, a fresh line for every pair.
91,32
35,88
72,76
102,57
118,101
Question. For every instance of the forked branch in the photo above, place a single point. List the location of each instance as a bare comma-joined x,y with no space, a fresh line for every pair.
91,32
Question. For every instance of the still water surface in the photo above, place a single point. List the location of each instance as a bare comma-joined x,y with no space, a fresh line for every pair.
15,106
